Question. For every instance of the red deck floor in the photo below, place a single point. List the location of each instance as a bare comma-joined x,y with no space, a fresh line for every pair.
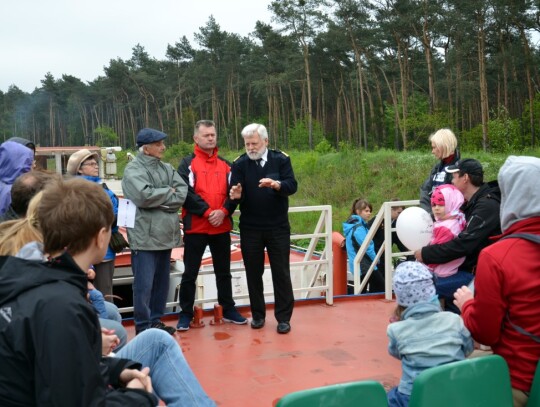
240,366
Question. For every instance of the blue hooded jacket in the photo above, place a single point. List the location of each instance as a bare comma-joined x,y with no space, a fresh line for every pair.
15,159
360,234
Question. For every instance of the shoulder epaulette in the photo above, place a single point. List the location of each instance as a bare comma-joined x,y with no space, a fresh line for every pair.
279,151
240,156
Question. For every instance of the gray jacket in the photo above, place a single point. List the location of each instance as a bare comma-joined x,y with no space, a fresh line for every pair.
427,337
149,184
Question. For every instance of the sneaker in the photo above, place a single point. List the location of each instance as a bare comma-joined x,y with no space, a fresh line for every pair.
183,323
162,326
232,315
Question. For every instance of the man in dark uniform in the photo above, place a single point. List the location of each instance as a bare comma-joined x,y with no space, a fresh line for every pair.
262,181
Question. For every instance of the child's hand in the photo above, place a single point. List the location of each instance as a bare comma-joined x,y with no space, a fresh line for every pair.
91,274
90,286
109,341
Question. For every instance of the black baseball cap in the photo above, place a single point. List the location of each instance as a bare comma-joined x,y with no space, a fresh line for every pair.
468,166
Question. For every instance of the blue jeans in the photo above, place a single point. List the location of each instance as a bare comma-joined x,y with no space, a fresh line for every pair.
447,286
112,312
98,302
173,380
397,399
113,320
119,331
151,272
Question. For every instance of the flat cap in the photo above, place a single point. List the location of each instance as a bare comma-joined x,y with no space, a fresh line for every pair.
147,136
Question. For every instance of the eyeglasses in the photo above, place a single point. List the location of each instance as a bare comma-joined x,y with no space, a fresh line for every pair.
92,163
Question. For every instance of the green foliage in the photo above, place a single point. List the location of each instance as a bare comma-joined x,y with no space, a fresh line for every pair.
504,135
299,135
324,147
176,152
105,136
337,178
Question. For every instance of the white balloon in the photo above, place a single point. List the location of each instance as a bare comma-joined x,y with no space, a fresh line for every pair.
414,227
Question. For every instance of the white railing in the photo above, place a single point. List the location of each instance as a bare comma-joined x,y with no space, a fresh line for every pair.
384,214
312,274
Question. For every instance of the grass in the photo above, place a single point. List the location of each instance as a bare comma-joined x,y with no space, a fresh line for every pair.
338,178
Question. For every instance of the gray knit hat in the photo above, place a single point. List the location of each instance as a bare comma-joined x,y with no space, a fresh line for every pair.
413,283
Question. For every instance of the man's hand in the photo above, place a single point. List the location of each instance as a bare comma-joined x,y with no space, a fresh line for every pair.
109,341
216,217
269,183
137,379
462,295
235,192
418,255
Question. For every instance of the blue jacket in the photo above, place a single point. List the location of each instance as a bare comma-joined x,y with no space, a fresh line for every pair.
360,234
15,159
110,255
427,337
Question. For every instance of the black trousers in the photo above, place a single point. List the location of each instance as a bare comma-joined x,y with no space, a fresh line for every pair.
277,243
220,248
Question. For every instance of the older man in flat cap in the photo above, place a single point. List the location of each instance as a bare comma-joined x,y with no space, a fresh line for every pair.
158,192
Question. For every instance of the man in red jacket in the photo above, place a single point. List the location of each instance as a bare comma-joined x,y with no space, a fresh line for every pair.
207,222
504,310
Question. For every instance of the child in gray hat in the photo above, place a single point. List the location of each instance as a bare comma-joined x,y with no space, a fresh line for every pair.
424,336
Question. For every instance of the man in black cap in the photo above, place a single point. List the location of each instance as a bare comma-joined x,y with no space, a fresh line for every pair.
158,192
481,209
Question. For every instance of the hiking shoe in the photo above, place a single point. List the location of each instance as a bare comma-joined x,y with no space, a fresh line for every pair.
162,326
232,315
183,323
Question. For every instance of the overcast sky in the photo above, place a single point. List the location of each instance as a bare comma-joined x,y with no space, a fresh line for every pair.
79,37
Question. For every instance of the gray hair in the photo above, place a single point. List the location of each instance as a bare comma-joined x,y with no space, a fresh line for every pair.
253,128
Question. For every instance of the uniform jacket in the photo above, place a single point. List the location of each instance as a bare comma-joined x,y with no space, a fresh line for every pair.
50,340
208,179
148,183
427,337
482,215
360,235
264,208
507,284
15,159
437,176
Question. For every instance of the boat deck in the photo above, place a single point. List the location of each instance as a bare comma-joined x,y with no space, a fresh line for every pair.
240,366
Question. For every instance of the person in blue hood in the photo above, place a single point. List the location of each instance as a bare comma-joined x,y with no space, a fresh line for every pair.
15,159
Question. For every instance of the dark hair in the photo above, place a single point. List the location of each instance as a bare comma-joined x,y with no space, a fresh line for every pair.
204,123
71,214
359,204
476,180
26,186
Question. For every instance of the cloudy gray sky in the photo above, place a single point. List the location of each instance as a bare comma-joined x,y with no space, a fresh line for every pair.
79,37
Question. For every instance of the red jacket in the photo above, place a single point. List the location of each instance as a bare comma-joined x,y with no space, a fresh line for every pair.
208,179
507,288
